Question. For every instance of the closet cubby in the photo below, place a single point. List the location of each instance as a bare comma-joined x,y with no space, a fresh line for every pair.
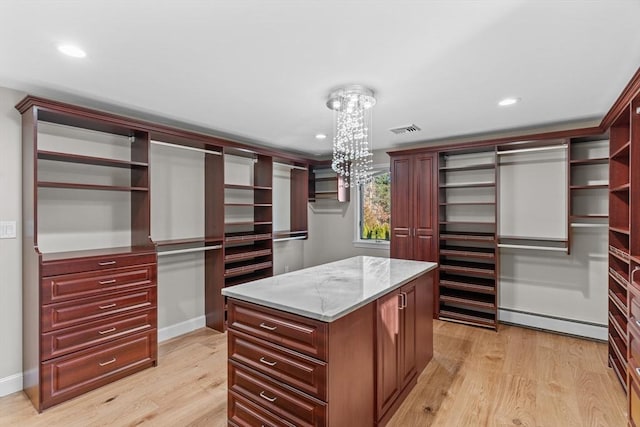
467,234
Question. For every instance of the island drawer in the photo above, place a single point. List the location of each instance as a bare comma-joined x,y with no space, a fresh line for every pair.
67,340
298,333
285,402
71,375
86,284
297,370
244,413
71,313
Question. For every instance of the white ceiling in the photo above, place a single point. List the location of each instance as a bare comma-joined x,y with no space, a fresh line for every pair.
261,70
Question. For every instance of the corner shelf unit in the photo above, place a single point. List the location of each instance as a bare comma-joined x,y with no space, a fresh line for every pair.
325,184
468,273
248,217
619,244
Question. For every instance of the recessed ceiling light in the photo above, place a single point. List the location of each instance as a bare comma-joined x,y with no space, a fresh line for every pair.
508,101
321,136
71,50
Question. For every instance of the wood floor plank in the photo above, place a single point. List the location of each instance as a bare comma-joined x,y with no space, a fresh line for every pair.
478,377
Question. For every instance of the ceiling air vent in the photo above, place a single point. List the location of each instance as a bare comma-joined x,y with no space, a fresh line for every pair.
405,130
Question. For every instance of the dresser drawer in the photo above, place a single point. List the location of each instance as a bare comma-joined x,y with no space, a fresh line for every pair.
244,413
293,406
103,262
80,372
77,285
305,335
62,315
299,371
60,342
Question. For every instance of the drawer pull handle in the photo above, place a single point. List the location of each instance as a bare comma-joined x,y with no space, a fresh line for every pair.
638,371
104,307
103,263
266,362
107,282
107,331
267,327
267,398
638,322
107,363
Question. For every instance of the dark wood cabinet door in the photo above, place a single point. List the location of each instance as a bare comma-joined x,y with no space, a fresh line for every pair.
401,212
424,207
388,352
407,366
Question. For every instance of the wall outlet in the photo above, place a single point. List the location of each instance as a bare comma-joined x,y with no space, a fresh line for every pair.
8,229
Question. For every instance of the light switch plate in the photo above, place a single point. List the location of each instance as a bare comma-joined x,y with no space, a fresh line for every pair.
7,229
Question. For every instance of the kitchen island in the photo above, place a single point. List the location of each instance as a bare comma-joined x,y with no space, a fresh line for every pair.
339,344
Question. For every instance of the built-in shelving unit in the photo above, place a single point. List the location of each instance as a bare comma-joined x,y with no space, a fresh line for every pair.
619,243
325,184
588,182
467,234
248,218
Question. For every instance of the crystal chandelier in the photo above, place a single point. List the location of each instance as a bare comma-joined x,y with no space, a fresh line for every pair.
352,156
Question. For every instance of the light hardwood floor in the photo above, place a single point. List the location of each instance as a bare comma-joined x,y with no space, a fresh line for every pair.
517,377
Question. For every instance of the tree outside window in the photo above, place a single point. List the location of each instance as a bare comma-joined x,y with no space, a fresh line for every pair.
375,208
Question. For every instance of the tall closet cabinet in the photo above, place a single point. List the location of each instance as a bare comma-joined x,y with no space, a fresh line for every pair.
90,260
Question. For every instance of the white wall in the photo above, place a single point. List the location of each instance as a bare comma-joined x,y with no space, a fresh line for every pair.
10,250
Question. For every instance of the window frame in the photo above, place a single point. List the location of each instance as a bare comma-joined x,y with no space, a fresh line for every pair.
357,241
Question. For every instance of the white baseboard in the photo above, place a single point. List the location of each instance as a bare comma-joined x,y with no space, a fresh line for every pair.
181,328
10,384
571,327
13,383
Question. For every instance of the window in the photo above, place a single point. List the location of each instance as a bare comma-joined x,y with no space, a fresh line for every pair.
374,210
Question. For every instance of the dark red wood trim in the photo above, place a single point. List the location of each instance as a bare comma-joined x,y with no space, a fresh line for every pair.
623,101
156,130
439,146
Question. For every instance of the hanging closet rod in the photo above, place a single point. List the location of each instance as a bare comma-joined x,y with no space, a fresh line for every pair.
282,239
585,225
290,166
186,147
530,150
186,251
532,247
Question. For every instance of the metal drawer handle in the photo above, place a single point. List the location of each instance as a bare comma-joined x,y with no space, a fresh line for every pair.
638,371
107,363
107,282
104,307
270,328
103,263
267,398
266,362
637,322
107,331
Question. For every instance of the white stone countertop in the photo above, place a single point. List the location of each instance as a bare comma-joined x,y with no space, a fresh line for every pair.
329,291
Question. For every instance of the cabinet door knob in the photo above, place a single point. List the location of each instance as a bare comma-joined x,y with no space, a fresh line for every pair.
266,362
267,327
267,398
